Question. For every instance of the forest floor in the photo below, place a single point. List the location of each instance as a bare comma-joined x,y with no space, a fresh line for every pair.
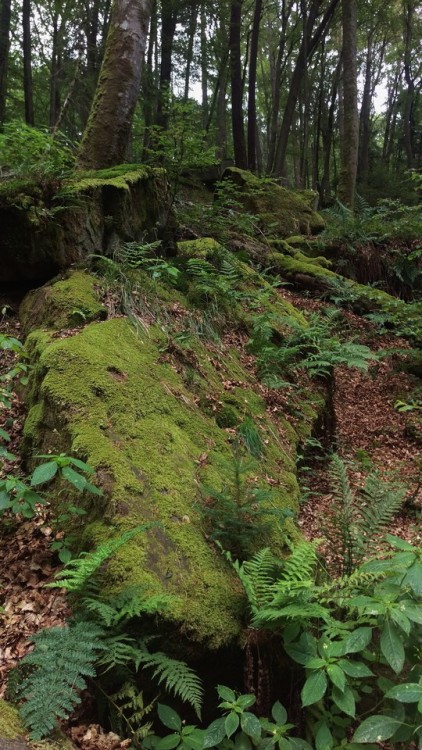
368,431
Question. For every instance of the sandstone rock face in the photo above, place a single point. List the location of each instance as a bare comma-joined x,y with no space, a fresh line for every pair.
43,234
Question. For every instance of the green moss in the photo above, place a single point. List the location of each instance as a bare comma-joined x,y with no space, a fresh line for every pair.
281,212
120,177
69,302
203,247
11,728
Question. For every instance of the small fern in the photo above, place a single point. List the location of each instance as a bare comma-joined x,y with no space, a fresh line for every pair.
79,572
175,675
61,660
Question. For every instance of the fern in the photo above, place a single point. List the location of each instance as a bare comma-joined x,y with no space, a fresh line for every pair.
357,518
128,712
129,603
79,572
257,576
61,660
176,676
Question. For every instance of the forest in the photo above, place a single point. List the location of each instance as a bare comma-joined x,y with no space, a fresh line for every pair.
210,375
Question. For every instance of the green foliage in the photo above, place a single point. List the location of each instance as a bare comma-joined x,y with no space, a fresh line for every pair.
236,728
357,518
282,345
352,635
34,153
108,646
62,659
240,513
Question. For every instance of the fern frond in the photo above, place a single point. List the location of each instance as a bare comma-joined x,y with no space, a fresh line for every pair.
77,573
299,566
257,576
61,659
128,712
129,603
176,676
378,504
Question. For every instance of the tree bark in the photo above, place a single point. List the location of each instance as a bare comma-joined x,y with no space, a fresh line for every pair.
5,16
252,122
239,142
168,28
27,67
350,145
410,83
107,133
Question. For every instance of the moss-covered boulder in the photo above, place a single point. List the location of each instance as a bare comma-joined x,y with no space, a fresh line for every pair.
63,303
157,422
14,737
280,212
45,231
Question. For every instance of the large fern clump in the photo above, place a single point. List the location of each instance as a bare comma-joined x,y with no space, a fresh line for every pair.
104,638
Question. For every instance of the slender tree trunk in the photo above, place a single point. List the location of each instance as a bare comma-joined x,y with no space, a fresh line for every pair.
5,17
327,137
204,66
252,122
107,133
168,28
308,44
349,151
239,142
410,92
193,17
365,113
27,68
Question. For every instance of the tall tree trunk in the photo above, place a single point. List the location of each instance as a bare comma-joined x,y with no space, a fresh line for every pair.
107,133
193,17
349,151
54,74
365,114
327,137
168,28
239,142
204,65
410,91
27,67
5,16
252,122
308,45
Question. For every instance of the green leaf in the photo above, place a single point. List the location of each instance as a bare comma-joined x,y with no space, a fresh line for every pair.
315,663
413,578
168,743
409,692
279,713
245,701
4,453
324,738
358,640
5,501
337,676
376,729
242,742
215,733
314,688
81,465
355,668
250,725
74,478
400,619
398,543
44,473
392,646
412,610
231,723
4,435
345,700
169,717
226,694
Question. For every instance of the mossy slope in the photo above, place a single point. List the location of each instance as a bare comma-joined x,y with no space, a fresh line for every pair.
11,728
152,421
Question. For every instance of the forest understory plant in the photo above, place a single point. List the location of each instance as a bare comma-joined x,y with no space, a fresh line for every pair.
104,645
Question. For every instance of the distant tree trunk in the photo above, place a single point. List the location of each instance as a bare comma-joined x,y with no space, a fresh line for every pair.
365,113
107,133
168,28
5,17
204,66
252,122
27,67
390,117
327,128
410,92
307,48
350,144
239,142
54,73
193,17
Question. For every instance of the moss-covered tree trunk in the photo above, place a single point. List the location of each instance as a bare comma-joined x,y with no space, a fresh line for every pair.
106,137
